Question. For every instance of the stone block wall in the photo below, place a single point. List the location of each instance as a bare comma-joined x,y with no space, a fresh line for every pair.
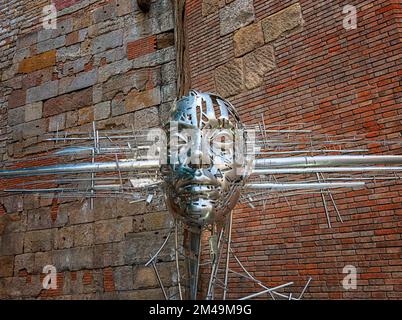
293,62
107,61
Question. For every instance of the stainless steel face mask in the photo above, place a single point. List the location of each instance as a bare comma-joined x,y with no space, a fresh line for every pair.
206,165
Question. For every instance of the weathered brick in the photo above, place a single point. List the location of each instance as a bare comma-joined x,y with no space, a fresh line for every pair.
146,118
39,218
211,6
164,40
30,129
138,247
107,41
108,254
140,100
6,266
229,78
24,262
71,52
38,62
27,40
62,4
168,72
77,212
11,244
112,230
168,93
108,280
257,64
235,15
16,99
104,13
57,122
71,119
42,92
123,7
141,47
33,111
68,102
51,44
133,80
37,78
38,240
80,81
84,235
282,22
123,277
151,221
72,38
247,39
102,110
64,238
85,115
16,116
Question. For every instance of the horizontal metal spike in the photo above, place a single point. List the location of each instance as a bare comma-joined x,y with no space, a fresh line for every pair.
82,167
298,186
324,170
317,161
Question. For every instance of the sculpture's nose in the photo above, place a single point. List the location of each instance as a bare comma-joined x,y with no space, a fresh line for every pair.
196,159
197,155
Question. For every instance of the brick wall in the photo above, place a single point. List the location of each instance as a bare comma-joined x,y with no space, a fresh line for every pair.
293,62
94,66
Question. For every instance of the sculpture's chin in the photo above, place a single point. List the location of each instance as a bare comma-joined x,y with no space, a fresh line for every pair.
199,211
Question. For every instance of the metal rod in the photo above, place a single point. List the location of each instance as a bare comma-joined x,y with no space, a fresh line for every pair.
160,249
332,199
248,273
316,161
159,279
82,167
310,151
177,260
324,201
229,240
266,291
298,186
304,289
214,268
323,169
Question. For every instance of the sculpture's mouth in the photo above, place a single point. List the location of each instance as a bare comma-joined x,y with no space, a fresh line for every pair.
193,189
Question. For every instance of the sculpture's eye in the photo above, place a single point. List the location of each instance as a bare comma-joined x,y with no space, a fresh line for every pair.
222,144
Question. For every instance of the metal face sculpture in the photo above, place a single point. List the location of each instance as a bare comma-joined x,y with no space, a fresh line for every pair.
206,168
213,161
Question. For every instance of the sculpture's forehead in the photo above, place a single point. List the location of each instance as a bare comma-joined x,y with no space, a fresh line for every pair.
200,110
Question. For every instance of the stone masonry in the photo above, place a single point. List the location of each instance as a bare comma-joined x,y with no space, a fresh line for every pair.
106,61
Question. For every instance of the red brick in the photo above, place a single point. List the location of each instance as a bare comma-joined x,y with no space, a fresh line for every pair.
62,4
108,280
336,82
141,47
87,278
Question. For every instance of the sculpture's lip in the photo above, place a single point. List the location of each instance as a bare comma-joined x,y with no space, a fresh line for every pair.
197,182
200,188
